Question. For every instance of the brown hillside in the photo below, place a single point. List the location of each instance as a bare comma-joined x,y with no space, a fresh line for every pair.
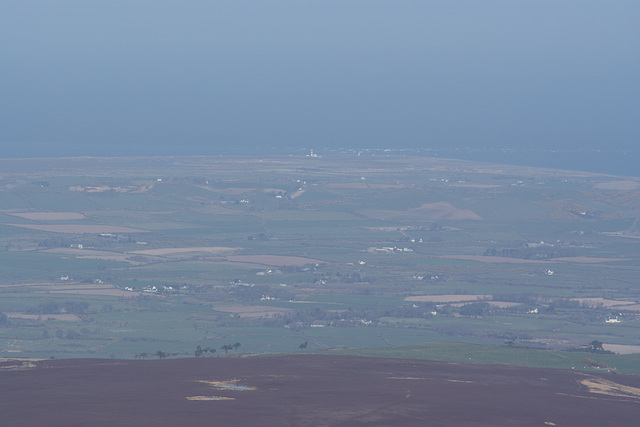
309,390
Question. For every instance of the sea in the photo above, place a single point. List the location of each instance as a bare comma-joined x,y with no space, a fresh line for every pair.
612,162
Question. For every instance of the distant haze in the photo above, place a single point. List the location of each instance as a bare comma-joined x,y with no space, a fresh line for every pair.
275,77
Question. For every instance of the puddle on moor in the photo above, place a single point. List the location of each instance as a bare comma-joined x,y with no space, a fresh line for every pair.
221,385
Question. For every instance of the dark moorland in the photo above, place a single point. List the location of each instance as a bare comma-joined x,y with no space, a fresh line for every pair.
305,390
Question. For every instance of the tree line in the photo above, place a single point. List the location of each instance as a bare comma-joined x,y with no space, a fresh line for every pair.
199,351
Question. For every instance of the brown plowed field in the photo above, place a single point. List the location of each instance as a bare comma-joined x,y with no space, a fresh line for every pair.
309,390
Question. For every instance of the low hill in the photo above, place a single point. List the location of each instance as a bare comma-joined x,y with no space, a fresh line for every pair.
308,390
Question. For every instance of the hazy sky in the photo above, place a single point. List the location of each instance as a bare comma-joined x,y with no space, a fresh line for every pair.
199,76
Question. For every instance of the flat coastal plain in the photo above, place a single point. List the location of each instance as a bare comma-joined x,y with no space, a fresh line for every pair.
143,257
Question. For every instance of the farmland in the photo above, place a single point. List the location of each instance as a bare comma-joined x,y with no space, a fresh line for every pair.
133,257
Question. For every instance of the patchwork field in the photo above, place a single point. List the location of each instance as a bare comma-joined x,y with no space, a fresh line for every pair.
119,258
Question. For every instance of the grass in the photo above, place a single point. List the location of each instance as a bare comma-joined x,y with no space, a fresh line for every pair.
457,352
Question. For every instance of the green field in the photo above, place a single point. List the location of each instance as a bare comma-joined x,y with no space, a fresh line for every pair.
387,256
456,352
